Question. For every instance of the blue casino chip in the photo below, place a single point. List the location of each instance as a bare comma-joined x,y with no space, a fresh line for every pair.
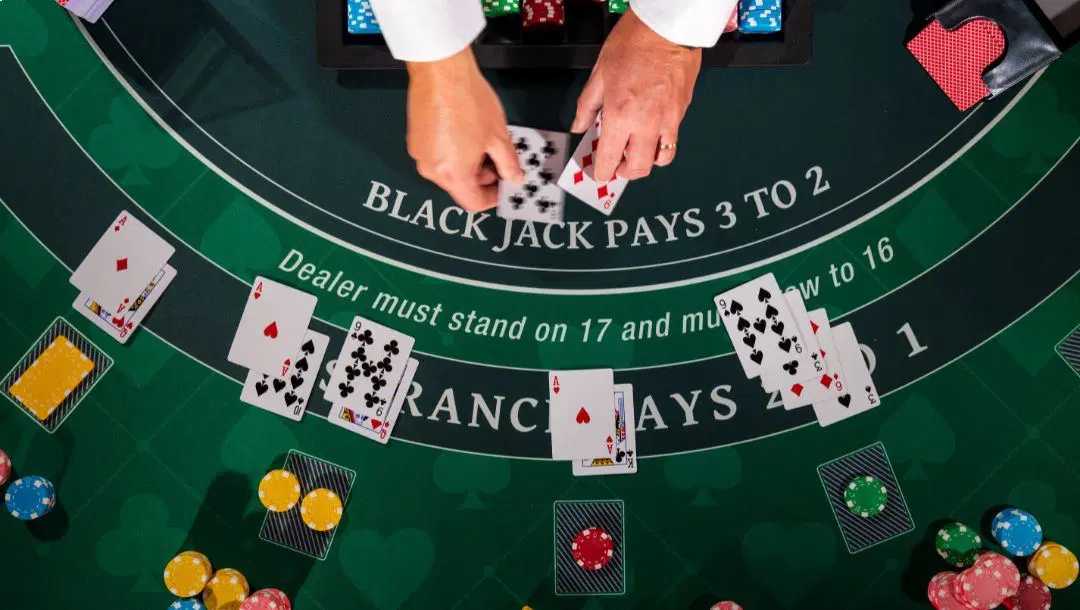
30,498
1017,531
765,21
190,603
362,18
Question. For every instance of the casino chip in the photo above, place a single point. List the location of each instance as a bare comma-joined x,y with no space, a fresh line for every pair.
30,498
267,599
1017,532
592,548
5,467
541,13
186,604
725,606
279,491
321,510
1055,565
988,583
226,590
940,592
186,574
500,8
958,544
865,496
1032,595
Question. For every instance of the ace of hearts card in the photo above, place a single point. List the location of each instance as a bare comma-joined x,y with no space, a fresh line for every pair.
273,324
581,416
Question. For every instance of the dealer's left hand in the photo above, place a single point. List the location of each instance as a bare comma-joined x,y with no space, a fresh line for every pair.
644,84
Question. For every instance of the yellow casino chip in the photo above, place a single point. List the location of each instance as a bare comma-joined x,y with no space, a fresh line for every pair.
1055,565
187,574
279,491
321,510
52,376
226,590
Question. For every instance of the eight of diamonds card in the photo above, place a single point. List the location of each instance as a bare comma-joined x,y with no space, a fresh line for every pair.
542,155
579,179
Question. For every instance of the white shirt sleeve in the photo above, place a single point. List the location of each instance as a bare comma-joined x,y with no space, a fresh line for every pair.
428,30
691,23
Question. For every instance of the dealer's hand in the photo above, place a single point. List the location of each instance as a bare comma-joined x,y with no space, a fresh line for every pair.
644,84
457,131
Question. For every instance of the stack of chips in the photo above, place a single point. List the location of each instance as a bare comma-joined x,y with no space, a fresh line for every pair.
267,599
186,574
543,13
361,18
618,6
1055,565
1017,532
760,16
501,8
5,468
958,544
226,590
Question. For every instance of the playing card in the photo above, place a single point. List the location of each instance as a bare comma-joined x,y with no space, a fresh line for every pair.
775,379
762,329
288,394
274,322
581,416
376,424
97,10
860,395
578,179
542,155
369,367
78,7
120,326
624,460
827,385
121,263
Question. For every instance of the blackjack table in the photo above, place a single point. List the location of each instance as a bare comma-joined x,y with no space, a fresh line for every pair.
950,241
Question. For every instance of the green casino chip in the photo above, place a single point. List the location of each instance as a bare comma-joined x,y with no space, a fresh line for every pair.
501,8
958,544
865,496
618,6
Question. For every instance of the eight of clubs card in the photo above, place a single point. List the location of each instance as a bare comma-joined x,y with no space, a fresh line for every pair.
274,323
860,395
762,329
579,180
288,394
542,155
582,413
121,325
121,263
624,460
376,424
369,367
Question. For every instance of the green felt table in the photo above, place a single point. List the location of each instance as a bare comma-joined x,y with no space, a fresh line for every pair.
948,240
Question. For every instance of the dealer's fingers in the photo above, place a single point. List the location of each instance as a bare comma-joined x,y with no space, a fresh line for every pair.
588,105
505,159
640,155
665,151
611,148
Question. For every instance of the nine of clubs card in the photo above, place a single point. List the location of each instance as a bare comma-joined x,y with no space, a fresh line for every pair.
369,367
542,155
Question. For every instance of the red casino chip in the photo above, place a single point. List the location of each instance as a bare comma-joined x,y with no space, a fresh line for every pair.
540,13
593,548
